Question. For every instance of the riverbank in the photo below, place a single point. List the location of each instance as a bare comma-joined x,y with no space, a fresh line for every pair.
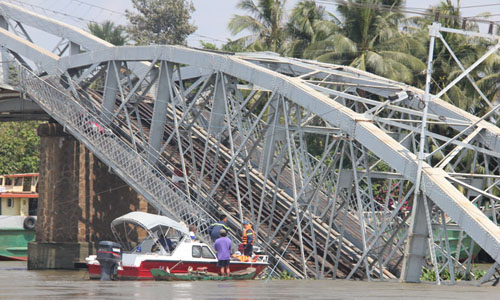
16,282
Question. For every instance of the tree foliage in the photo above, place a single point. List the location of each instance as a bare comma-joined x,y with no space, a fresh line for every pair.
368,37
234,46
160,21
109,32
19,147
229,46
208,46
365,35
265,20
376,36
308,23
467,49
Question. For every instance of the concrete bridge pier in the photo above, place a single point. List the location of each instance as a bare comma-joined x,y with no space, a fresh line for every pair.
78,199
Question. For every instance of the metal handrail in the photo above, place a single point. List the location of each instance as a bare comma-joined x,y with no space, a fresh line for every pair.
133,167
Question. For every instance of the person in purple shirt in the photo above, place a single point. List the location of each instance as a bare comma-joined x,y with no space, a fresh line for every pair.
223,247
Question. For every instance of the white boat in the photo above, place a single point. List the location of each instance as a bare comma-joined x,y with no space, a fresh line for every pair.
151,241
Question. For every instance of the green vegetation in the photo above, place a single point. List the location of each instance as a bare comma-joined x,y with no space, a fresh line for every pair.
376,36
265,20
19,147
372,35
109,32
160,22
208,46
309,24
428,274
285,275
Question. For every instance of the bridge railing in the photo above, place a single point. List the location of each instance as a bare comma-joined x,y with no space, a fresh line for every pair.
133,167
91,130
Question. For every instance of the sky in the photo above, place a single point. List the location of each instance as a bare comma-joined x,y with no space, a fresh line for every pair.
211,16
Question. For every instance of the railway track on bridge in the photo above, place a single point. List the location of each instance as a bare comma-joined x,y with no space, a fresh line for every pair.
372,122
226,202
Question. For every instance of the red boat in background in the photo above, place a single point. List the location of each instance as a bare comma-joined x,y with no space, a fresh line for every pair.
157,242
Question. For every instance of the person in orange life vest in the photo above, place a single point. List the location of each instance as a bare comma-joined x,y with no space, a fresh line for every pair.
248,238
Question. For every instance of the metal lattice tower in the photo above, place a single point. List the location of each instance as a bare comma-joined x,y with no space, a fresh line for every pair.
322,158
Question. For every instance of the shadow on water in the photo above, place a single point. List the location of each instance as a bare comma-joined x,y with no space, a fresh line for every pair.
16,282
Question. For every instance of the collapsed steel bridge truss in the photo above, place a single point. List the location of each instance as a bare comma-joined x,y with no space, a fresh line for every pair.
323,159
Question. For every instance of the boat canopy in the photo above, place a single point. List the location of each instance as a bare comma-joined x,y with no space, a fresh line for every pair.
149,221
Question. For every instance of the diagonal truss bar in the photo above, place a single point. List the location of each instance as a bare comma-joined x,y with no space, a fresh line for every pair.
382,132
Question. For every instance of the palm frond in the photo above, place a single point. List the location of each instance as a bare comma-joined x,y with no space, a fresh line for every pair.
359,62
406,59
239,23
249,6
335,43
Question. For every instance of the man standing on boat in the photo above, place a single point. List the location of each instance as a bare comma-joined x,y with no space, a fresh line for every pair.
215,228
248,238
223,248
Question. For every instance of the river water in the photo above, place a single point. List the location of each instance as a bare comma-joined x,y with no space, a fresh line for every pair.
16,282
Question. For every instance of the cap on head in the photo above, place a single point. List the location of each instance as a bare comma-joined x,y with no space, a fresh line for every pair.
246,222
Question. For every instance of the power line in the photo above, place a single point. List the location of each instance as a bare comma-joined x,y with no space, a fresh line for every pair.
52,11
93,21
479,5
100,7
208,37
409,10
68,15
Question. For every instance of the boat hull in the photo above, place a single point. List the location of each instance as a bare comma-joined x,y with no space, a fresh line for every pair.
14,243
143,272
162,275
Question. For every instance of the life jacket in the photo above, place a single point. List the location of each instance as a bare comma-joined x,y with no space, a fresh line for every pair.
245,258
244,238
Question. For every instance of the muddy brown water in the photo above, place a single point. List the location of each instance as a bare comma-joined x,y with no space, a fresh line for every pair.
16,282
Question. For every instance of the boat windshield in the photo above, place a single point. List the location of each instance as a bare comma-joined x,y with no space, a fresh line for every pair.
137,239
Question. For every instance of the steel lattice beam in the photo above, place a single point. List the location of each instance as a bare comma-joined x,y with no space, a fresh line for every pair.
322,158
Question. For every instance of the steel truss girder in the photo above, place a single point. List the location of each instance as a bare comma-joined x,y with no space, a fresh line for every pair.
353,124
304,88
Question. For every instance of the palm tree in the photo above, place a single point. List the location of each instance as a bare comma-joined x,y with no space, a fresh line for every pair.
489,77
265,21
369,37
308,24
467,50
109,32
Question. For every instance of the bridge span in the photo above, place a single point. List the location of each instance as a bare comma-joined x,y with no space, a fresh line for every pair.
322,158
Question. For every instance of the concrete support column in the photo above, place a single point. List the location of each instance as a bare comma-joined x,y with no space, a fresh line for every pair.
78,199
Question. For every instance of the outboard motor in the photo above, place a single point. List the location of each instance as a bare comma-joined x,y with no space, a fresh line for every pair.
109,256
